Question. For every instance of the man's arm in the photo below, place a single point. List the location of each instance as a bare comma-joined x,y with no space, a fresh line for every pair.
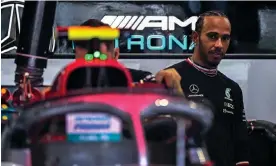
171,78
241,133
138,75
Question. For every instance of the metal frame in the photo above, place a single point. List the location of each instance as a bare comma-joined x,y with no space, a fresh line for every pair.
244,56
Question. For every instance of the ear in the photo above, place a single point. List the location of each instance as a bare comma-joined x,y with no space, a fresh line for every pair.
195,37
116,53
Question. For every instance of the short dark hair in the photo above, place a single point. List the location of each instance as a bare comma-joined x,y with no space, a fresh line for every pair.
200,21
94,23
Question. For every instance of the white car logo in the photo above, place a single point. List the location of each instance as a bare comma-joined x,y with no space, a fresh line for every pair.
194,88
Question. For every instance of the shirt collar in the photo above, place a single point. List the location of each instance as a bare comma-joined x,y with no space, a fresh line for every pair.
208,72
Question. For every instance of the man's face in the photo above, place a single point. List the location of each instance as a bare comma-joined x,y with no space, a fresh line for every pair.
214,39
111,53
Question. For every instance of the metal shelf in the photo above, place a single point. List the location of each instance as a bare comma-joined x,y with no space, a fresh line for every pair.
156,56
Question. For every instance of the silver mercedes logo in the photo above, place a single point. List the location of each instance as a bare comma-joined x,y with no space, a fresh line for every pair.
11,19
11,23
194,88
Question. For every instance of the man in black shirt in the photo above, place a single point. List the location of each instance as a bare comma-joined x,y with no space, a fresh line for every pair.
199,79
106,47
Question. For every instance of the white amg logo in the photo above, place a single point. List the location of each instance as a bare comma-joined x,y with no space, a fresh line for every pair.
141,22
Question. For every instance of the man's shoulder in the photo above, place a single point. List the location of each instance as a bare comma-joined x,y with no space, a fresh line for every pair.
138,75
229,81
179,66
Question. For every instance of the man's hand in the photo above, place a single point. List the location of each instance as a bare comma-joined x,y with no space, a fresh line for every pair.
171,78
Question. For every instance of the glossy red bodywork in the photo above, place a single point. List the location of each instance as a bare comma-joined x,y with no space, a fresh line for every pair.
65,73
131,103
36,96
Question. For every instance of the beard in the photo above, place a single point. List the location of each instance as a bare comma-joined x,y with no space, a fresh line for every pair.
205,56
